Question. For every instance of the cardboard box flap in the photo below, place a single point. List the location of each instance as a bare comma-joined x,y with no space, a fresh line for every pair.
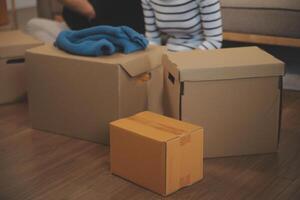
155,126
143,61
229,63
15,43
134,64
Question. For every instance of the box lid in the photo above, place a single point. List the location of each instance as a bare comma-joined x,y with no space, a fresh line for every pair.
15,43
228,63
134,63
155,126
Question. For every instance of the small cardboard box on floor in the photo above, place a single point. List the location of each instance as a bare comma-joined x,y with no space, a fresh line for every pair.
234,93
13,45
78,96
156,152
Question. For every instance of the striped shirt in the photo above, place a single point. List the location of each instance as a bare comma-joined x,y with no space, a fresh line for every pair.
190,24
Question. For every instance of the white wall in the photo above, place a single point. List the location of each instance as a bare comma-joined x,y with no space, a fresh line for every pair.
22,3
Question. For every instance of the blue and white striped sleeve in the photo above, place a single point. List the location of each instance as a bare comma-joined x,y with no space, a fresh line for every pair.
152,32
210,11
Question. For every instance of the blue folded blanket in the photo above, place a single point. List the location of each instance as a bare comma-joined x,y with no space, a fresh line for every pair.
101,40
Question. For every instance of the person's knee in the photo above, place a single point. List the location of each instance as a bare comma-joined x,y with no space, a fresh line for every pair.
48,27
38,28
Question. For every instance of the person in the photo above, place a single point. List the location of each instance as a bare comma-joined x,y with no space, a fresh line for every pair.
189,24
79,14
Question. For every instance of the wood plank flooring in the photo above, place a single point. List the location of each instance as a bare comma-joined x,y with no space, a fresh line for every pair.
36,165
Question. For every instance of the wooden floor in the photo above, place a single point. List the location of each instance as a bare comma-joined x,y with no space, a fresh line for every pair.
39,165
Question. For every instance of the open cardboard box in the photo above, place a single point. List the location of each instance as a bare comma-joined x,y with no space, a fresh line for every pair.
78,96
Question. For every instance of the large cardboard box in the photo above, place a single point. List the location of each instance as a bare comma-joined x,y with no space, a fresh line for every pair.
78,96
156,152
13,45
234,93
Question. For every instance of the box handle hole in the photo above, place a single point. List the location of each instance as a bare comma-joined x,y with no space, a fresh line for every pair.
171,78
15,61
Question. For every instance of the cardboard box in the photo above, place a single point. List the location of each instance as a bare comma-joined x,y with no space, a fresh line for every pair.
13,45
234,93
78,96
156,152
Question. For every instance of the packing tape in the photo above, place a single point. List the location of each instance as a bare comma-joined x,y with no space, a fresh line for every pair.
185,136
185,139
157,125
185,181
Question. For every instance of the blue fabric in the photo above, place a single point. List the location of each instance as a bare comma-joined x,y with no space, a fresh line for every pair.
101,40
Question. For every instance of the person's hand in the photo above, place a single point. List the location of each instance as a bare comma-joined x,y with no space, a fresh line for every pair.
81,6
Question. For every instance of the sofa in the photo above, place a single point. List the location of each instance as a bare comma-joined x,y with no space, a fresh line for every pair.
265,17
262,21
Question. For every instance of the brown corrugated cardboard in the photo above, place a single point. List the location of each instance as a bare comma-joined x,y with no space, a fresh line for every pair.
234,93
156,152
13,45
78,96
230,63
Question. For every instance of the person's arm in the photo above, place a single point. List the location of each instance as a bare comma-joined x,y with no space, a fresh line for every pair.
211,17
151,30
81,6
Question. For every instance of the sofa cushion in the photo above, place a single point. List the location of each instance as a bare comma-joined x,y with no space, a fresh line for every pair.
265,17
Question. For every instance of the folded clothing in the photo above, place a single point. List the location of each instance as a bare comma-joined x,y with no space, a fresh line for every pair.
101,40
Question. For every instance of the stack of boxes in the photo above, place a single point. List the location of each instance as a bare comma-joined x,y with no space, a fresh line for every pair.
234,94
13,45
